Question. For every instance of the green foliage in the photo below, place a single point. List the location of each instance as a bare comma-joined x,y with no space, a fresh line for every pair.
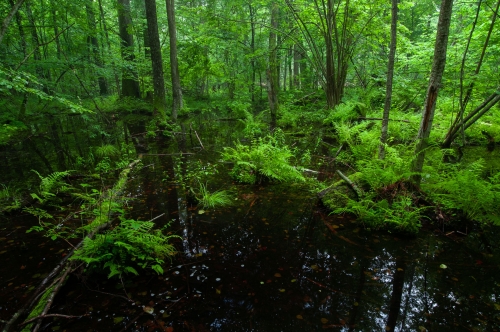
346,112
401,216
9,199
265,158
51,185
211,200
462,189
130,246
107,150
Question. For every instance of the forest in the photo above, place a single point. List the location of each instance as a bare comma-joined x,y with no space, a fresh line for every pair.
249,165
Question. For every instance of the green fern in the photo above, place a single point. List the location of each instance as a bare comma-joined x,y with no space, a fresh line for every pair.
107,150
130,246
463,189
51,185
266,158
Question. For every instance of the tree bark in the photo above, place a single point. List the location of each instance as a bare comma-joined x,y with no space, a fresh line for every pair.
390,75
272,70
438,65
174,66
159,102
105,28
94,46
130,84
459,120
6,21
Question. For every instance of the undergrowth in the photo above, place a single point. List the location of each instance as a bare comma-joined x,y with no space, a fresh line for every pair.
130,246
265,158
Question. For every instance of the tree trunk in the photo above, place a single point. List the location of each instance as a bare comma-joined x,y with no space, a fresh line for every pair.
459,120
130,84
94,45
272,71
159,102
438,65
252,49
390,75
6,21
174,66
296,66
105,28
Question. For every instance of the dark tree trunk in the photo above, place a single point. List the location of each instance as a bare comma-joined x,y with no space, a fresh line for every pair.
438,65
159,102
130,84
398,282
174,66
105,28
272,71
390,75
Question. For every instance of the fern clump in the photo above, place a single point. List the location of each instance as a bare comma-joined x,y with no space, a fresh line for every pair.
130,246
463,190
401,215
107,150
51,185
265,158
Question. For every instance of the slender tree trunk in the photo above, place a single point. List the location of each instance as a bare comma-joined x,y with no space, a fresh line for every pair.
130,84
159,102
272,71
106,34
438,65
459,120
296,66
94,45
252,49
174,66
6,21
390,75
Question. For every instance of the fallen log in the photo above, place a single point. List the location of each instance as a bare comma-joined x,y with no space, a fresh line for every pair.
47,283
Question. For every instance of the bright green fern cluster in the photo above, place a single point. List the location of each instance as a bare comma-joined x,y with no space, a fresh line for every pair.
210,200
131,245
265,158
464,189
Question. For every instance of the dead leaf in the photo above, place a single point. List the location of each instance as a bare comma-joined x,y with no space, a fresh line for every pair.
277,275
324,320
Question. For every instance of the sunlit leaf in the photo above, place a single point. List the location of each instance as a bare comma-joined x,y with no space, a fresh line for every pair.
294,280
201,211
148,310
118,320
324,320
443,266
299,317
282,290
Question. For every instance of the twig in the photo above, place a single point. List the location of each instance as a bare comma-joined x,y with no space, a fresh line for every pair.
198,137
43,44
340,149
161,215
354,186
51,299
50,315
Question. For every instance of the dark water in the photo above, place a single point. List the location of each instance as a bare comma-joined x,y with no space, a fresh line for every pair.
273,262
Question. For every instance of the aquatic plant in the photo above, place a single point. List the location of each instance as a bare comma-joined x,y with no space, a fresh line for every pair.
265,158
211,200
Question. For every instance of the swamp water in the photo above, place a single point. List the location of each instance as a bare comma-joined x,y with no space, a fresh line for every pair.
275,261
